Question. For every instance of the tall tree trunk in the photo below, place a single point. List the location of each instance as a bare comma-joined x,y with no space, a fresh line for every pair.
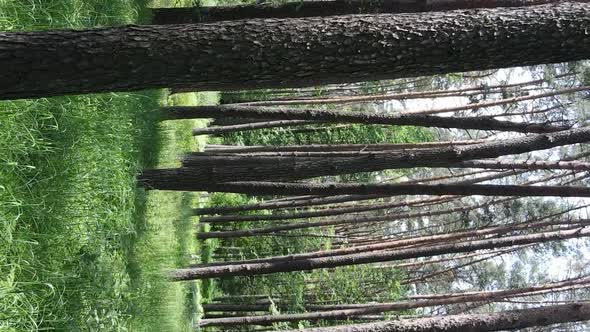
313,214
452,269
204,176
331,116
320,8
218,130
312,201
326,189
406,242
250,54
336,147
350,311
357,220
507,320
398,96
372,257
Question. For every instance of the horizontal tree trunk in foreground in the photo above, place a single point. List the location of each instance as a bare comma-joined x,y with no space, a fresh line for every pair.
372,257
375,308
332,116
507,320
288,168
263,53
182,15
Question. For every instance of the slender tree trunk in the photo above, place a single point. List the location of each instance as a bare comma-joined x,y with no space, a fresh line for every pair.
244,54
357,220
507,320
183,15
331,116
372,257
327,189
353,310
425,277
418,264
313,214
218,130
314,201
501,102
336,147
398,96
202,176
408,242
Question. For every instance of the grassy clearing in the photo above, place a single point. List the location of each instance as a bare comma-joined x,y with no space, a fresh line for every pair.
81,248
168,241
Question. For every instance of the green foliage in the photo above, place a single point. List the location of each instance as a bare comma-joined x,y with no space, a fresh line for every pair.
81,248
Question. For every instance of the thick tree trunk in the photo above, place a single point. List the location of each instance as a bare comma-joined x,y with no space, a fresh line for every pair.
321,8
507,320
372,257
204,176
247,54
331,116
350,311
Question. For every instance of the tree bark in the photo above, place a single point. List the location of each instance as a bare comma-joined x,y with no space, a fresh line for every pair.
263,53
393,244
321,8
507,320
336,147
331,116
218,130
398,96
200,176
327,189
357,220
372,257
353,310
313,214
313,201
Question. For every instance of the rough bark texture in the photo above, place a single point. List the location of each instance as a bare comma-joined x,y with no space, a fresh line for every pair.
322,8
372,257
332,116
204,174
247,54
507,320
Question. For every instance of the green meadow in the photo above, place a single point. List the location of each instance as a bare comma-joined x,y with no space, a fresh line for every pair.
81,246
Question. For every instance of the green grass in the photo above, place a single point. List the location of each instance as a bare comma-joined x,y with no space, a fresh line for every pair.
81,247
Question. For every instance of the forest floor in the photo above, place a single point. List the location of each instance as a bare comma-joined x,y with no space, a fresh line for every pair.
81,246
